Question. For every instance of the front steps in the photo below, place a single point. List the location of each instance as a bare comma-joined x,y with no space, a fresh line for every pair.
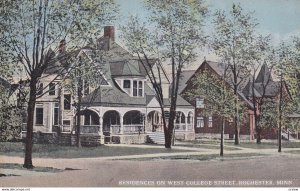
156,137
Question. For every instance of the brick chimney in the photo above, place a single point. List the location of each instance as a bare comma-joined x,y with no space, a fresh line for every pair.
109,31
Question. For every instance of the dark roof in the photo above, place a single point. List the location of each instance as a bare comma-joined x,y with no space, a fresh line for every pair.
264,75
10,87
247,91
4,83
120,62
179,103
184,77
127,68
61,62
271,90
112,96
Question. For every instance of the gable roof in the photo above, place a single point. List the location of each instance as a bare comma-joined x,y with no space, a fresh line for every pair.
264,75
4,83
184,77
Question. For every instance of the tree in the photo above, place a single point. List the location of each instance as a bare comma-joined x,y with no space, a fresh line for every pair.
31,30
85,74
286,67
261,59
172,35
234,42
10,120
213,87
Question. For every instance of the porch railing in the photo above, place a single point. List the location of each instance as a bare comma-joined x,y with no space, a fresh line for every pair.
89,129
115,129
127,129
183,127
134,129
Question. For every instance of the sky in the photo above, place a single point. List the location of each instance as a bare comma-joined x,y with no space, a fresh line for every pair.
278,17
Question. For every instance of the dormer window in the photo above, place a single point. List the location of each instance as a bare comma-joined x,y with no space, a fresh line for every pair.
140,88
126,84
134,88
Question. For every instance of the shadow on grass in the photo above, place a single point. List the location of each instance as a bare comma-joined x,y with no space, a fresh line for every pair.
35,169
202,157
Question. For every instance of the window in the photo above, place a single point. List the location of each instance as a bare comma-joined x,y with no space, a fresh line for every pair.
66,126
55,114
40,89
66,122
210,121
87,119
67,101
140,88
199,103
52,89
135,88
86,88
126,84
39,116
200,122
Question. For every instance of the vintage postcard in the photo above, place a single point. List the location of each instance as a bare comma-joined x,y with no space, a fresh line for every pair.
150,94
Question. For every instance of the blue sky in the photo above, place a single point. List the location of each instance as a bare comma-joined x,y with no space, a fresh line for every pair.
281,18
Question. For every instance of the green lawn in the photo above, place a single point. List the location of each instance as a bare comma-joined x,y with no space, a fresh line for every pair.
264,145
202,157
292,152
209,146
55,151
270,145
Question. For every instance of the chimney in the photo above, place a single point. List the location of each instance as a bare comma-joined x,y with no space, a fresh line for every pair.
62,46
109,31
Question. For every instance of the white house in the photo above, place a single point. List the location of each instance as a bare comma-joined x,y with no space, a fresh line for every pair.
122,109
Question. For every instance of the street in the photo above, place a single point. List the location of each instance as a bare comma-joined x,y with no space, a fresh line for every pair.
275,170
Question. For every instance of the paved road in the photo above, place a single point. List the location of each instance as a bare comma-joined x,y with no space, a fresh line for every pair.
273,170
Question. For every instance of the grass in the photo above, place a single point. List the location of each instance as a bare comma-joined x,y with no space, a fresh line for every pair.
292,152
201,157
208,146
56,151
270,145
254,145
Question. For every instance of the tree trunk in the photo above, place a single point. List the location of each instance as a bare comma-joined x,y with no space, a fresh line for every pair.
258,135
168,137
222,137
169,130
280,116
30,117
78,105
78,144
236,130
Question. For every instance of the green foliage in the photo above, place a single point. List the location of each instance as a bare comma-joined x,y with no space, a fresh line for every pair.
10,118
85,73
218,95
173,30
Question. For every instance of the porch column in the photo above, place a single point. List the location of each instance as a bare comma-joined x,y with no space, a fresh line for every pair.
102,141
186,123
121,124
161,123
100,124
